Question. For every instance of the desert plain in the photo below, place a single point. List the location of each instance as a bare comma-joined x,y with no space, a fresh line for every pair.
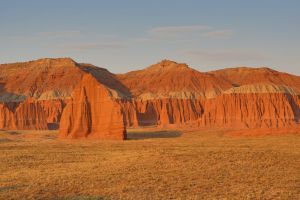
150,164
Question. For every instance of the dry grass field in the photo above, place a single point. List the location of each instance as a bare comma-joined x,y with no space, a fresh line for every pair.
150,165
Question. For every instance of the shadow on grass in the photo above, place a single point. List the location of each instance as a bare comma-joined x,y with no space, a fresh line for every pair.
12,187
141,135
5,140
82,198
10,132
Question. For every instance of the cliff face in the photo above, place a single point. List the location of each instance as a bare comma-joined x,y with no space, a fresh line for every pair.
53,110
232,98
48,83
92,113
275,110
87,101
27,115
6,117
162,112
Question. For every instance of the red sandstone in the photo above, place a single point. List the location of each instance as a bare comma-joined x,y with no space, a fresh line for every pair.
91,102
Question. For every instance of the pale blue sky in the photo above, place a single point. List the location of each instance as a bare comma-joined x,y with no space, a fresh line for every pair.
131,34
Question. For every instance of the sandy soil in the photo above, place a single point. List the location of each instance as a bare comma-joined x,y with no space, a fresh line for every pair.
150,165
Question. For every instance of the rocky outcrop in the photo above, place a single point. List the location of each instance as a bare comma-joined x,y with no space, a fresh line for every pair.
250,110
129,111
162,112
27,115
43,79
49,82
51,79
90,102
247,76
168,79
172,94
92,113
6,117
53,110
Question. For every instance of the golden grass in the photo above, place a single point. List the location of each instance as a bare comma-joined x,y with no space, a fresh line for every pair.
151,165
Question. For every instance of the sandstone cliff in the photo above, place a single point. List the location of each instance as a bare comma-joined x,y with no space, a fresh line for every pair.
6,117
233,98
53,110
44,93
275,110
49,83
250,110
30,115
92,112
27,115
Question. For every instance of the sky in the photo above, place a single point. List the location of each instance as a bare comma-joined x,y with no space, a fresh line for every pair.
127,35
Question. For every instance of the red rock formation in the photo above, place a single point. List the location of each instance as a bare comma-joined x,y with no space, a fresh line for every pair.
246,76
92,112
275,110
168,79
264,98
53,110
48,79
6,117
28,115
34,95
251,111
129,110
41,79
163,112
51,82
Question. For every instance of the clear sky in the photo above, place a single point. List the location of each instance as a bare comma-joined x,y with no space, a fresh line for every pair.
125,35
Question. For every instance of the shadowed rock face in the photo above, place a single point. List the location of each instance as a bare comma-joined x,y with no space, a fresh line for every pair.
90,102
92,112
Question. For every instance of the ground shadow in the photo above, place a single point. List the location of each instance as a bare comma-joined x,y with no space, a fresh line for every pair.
5,140
141,135
82,198
53,126
10,132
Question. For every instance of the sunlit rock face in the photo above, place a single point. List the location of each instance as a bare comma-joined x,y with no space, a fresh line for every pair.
92,112
34,94
250,110
85,101
172,94
27,115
